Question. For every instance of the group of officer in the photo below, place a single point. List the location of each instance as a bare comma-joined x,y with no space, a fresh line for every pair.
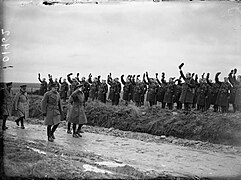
19,103
188,91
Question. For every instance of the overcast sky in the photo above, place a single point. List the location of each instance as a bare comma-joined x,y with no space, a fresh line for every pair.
126,38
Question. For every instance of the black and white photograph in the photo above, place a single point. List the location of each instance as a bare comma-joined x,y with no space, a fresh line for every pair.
120,89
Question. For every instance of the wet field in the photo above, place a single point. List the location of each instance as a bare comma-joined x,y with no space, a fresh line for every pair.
155,158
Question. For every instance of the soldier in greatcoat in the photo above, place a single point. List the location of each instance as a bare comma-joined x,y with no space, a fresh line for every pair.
161,90
202,95
94,85
188,86
177,93
152,90
21,105
76,114
44,85
7,103
73,83
137,92
52,110
143,87
102,91
169,94
115,89
64,88
232,80
86,88
127,88
236,83
214,88
224,95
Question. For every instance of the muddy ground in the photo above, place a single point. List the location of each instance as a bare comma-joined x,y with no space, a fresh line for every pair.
132,143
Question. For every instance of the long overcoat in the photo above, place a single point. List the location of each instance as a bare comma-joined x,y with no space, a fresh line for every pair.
237,100
161,92
76,113
202,92
187,94
223,94
127,91
170,89
64,89
151,93
7,104
21,104
52,106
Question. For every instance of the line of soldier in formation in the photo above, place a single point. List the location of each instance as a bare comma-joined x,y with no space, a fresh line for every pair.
187,91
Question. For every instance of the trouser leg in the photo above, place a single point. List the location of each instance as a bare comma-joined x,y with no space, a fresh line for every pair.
54,128
69,125
74,128
49,130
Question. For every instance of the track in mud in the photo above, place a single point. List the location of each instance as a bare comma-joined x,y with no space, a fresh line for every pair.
110,157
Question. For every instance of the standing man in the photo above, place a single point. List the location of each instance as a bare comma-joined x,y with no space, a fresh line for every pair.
63,89
76,110
51,107
102,91
126,89
21,105
44,85
7,103
187,94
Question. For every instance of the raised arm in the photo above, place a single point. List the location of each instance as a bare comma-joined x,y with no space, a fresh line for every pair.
163,79
122,79
158,81
217,78
60,80
39,78
69,79
148,79
144,79
109,80
208,81
89,79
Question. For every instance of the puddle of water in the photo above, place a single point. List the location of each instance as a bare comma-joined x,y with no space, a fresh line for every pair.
37,150
110,164
88,167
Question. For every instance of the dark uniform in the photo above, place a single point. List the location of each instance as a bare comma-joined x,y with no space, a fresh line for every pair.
115,89
43,87
202,92
214,87
102,91
64,88
7,103
223,96
127,88
169,94
52,109
187,94
152,91
161,91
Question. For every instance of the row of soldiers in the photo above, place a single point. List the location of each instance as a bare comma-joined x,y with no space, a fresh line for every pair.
188,90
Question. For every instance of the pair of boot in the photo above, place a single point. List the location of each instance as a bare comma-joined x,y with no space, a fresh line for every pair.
51,137
77,133
17,122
